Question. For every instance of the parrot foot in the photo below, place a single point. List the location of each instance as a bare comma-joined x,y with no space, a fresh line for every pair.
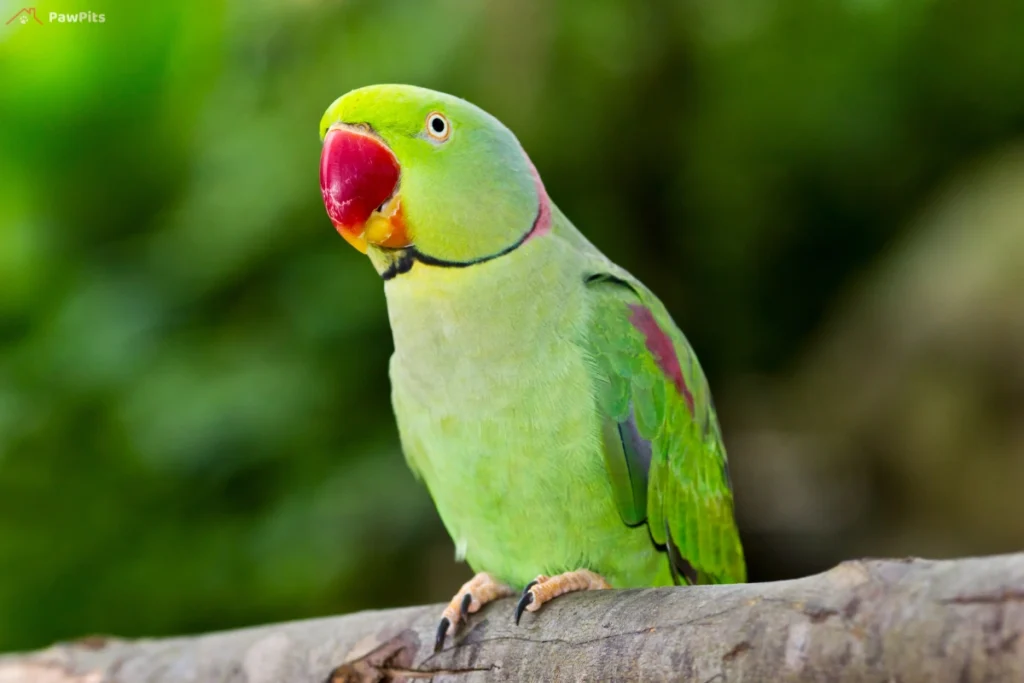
473,595
547,588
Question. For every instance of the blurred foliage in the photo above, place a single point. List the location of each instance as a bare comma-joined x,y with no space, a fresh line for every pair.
195,429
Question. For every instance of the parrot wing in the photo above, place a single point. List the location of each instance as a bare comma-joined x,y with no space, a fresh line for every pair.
662,443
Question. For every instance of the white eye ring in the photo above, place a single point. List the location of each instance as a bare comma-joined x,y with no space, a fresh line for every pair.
438,126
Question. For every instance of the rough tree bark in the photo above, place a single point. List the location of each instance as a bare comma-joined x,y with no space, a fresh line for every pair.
872,620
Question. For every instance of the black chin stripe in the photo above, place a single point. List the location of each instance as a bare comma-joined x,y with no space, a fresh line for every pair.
407,257
403,262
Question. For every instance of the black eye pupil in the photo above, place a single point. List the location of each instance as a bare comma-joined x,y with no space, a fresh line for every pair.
437,123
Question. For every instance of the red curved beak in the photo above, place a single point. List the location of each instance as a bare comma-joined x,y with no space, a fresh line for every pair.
358,179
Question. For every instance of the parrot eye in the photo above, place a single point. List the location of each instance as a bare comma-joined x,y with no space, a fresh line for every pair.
438,127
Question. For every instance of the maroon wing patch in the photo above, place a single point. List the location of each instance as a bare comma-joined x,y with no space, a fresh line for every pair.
661,347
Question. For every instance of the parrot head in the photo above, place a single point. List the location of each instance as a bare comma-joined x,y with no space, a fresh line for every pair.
409,174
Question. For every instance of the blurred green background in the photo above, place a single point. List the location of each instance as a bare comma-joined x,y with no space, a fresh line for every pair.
195,429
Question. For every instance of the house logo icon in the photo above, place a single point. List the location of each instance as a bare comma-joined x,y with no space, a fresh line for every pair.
25,15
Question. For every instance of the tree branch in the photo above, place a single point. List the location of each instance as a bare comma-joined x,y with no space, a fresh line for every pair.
873,620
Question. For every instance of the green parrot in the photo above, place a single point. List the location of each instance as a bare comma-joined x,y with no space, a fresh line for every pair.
555,412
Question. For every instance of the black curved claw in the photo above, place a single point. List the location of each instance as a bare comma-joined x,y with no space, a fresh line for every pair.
442,631
464,607
526,599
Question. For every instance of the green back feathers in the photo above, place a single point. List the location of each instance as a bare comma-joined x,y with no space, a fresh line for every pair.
663,447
